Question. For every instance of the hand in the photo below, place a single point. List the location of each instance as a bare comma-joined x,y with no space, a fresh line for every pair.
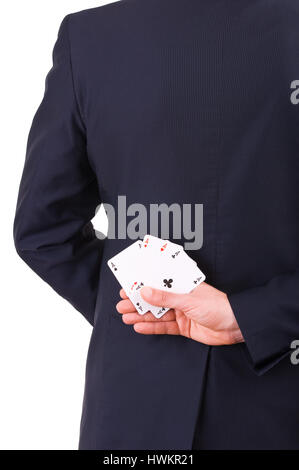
204,315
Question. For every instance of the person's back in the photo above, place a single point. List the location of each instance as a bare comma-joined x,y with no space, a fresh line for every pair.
187,102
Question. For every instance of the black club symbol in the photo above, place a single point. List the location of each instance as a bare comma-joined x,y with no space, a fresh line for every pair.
167,283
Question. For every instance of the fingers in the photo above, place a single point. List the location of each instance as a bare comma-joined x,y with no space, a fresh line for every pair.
123,294
133,318
163,298
125,306
157,328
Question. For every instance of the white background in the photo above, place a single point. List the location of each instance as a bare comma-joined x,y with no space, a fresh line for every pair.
43,340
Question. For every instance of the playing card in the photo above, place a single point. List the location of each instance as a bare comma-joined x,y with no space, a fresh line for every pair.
126,267
164,246
172,274
134,295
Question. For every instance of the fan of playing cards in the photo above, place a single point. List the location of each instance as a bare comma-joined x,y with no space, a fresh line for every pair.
156,263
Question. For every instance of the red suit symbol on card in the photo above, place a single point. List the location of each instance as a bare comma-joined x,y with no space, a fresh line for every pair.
133,285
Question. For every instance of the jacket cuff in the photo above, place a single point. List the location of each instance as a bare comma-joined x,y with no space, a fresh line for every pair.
266,342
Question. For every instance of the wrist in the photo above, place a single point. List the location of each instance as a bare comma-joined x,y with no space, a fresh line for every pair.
229,319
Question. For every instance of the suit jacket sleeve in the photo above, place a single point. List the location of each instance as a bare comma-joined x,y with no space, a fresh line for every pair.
58,192
268,317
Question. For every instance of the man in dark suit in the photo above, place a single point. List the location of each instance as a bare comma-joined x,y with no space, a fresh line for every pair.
188,102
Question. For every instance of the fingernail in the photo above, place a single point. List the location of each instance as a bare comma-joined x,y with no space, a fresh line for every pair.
146,291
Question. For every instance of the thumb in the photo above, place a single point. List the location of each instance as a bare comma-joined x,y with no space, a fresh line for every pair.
163,298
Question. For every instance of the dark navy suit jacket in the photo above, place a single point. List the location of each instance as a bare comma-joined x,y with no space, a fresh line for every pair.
185,101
